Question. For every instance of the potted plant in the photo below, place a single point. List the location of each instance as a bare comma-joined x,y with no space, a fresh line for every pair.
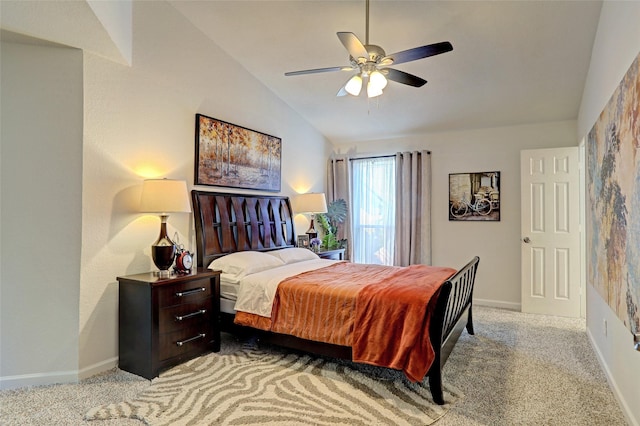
329,224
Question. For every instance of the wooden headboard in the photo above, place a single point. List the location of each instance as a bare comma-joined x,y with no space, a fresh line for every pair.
227,223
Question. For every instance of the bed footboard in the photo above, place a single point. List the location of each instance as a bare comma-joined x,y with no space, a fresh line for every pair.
453,312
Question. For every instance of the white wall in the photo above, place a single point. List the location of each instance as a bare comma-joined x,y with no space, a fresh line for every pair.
616,46
139,121
497,243
41,189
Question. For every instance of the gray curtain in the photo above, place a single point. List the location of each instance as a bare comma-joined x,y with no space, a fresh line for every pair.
339,187
413,208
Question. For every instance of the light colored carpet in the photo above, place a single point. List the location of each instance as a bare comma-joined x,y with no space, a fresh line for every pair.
258,386
518,369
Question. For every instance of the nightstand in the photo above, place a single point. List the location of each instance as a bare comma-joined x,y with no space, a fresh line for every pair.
335,254
166,321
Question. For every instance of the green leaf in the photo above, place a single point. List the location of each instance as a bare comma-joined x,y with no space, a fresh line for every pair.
337,211
329,222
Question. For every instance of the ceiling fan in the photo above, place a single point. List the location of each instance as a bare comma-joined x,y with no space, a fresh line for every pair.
372,63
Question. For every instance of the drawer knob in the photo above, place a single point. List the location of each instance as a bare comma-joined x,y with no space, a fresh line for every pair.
190,292
182,342
192,314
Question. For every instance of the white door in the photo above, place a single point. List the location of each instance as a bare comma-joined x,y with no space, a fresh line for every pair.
550,228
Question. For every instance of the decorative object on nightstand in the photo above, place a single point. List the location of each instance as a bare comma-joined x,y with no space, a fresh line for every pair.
303,241
311,203
184,261
315,244
166,321
164,196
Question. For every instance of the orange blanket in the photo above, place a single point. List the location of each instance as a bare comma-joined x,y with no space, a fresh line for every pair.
393,319
380,311
319,305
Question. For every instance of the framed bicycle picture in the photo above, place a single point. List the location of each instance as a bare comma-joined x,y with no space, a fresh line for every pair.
474,196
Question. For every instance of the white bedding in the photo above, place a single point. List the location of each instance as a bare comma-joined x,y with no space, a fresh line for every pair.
257,291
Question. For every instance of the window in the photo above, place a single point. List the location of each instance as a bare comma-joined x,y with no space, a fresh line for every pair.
374,183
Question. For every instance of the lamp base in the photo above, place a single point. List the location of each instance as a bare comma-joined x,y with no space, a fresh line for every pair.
163,250
167,273
163,256
311,232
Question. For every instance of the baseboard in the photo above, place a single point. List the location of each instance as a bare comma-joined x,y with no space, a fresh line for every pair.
498,304
98,368
38,379
55,377
626,410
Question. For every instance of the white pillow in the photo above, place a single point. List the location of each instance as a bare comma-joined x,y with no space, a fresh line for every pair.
236,265
294,254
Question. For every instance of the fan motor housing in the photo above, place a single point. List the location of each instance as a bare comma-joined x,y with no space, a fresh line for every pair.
376,53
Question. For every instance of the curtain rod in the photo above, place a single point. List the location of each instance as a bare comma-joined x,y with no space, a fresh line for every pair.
371,157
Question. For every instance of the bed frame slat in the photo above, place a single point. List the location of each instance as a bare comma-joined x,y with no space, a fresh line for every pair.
448,321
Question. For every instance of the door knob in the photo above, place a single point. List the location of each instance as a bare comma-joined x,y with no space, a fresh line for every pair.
526,240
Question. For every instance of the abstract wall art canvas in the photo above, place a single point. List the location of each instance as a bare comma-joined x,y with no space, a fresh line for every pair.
613,201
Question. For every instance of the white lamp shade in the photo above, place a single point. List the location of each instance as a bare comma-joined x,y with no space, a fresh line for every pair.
354,85
378,80
311,203
373,91
164,196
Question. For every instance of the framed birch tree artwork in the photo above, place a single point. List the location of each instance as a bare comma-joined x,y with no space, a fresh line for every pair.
233,156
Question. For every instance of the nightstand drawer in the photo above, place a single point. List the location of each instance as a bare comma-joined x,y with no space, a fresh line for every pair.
185,340
184,293
185,315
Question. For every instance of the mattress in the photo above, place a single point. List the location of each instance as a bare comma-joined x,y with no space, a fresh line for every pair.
228,295
229,290
227,305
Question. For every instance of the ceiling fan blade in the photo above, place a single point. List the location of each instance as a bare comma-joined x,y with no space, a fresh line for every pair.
420,52
403,77
317,70
353,45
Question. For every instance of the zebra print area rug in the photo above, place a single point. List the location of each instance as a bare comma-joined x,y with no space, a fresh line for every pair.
254,386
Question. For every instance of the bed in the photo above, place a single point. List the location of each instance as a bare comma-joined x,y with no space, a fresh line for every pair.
256,229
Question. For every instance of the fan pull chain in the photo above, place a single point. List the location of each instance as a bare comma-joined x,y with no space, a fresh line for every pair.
377,98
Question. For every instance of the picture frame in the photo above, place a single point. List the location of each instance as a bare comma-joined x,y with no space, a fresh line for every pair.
474,196
303,241
233,156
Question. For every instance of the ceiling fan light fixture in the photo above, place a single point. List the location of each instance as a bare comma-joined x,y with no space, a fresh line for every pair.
373,90
378,80
354,85
372,63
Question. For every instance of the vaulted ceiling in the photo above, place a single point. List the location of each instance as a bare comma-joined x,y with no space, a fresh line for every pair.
513,62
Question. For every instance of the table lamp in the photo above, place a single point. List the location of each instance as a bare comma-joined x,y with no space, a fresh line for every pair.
164,196
311,203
